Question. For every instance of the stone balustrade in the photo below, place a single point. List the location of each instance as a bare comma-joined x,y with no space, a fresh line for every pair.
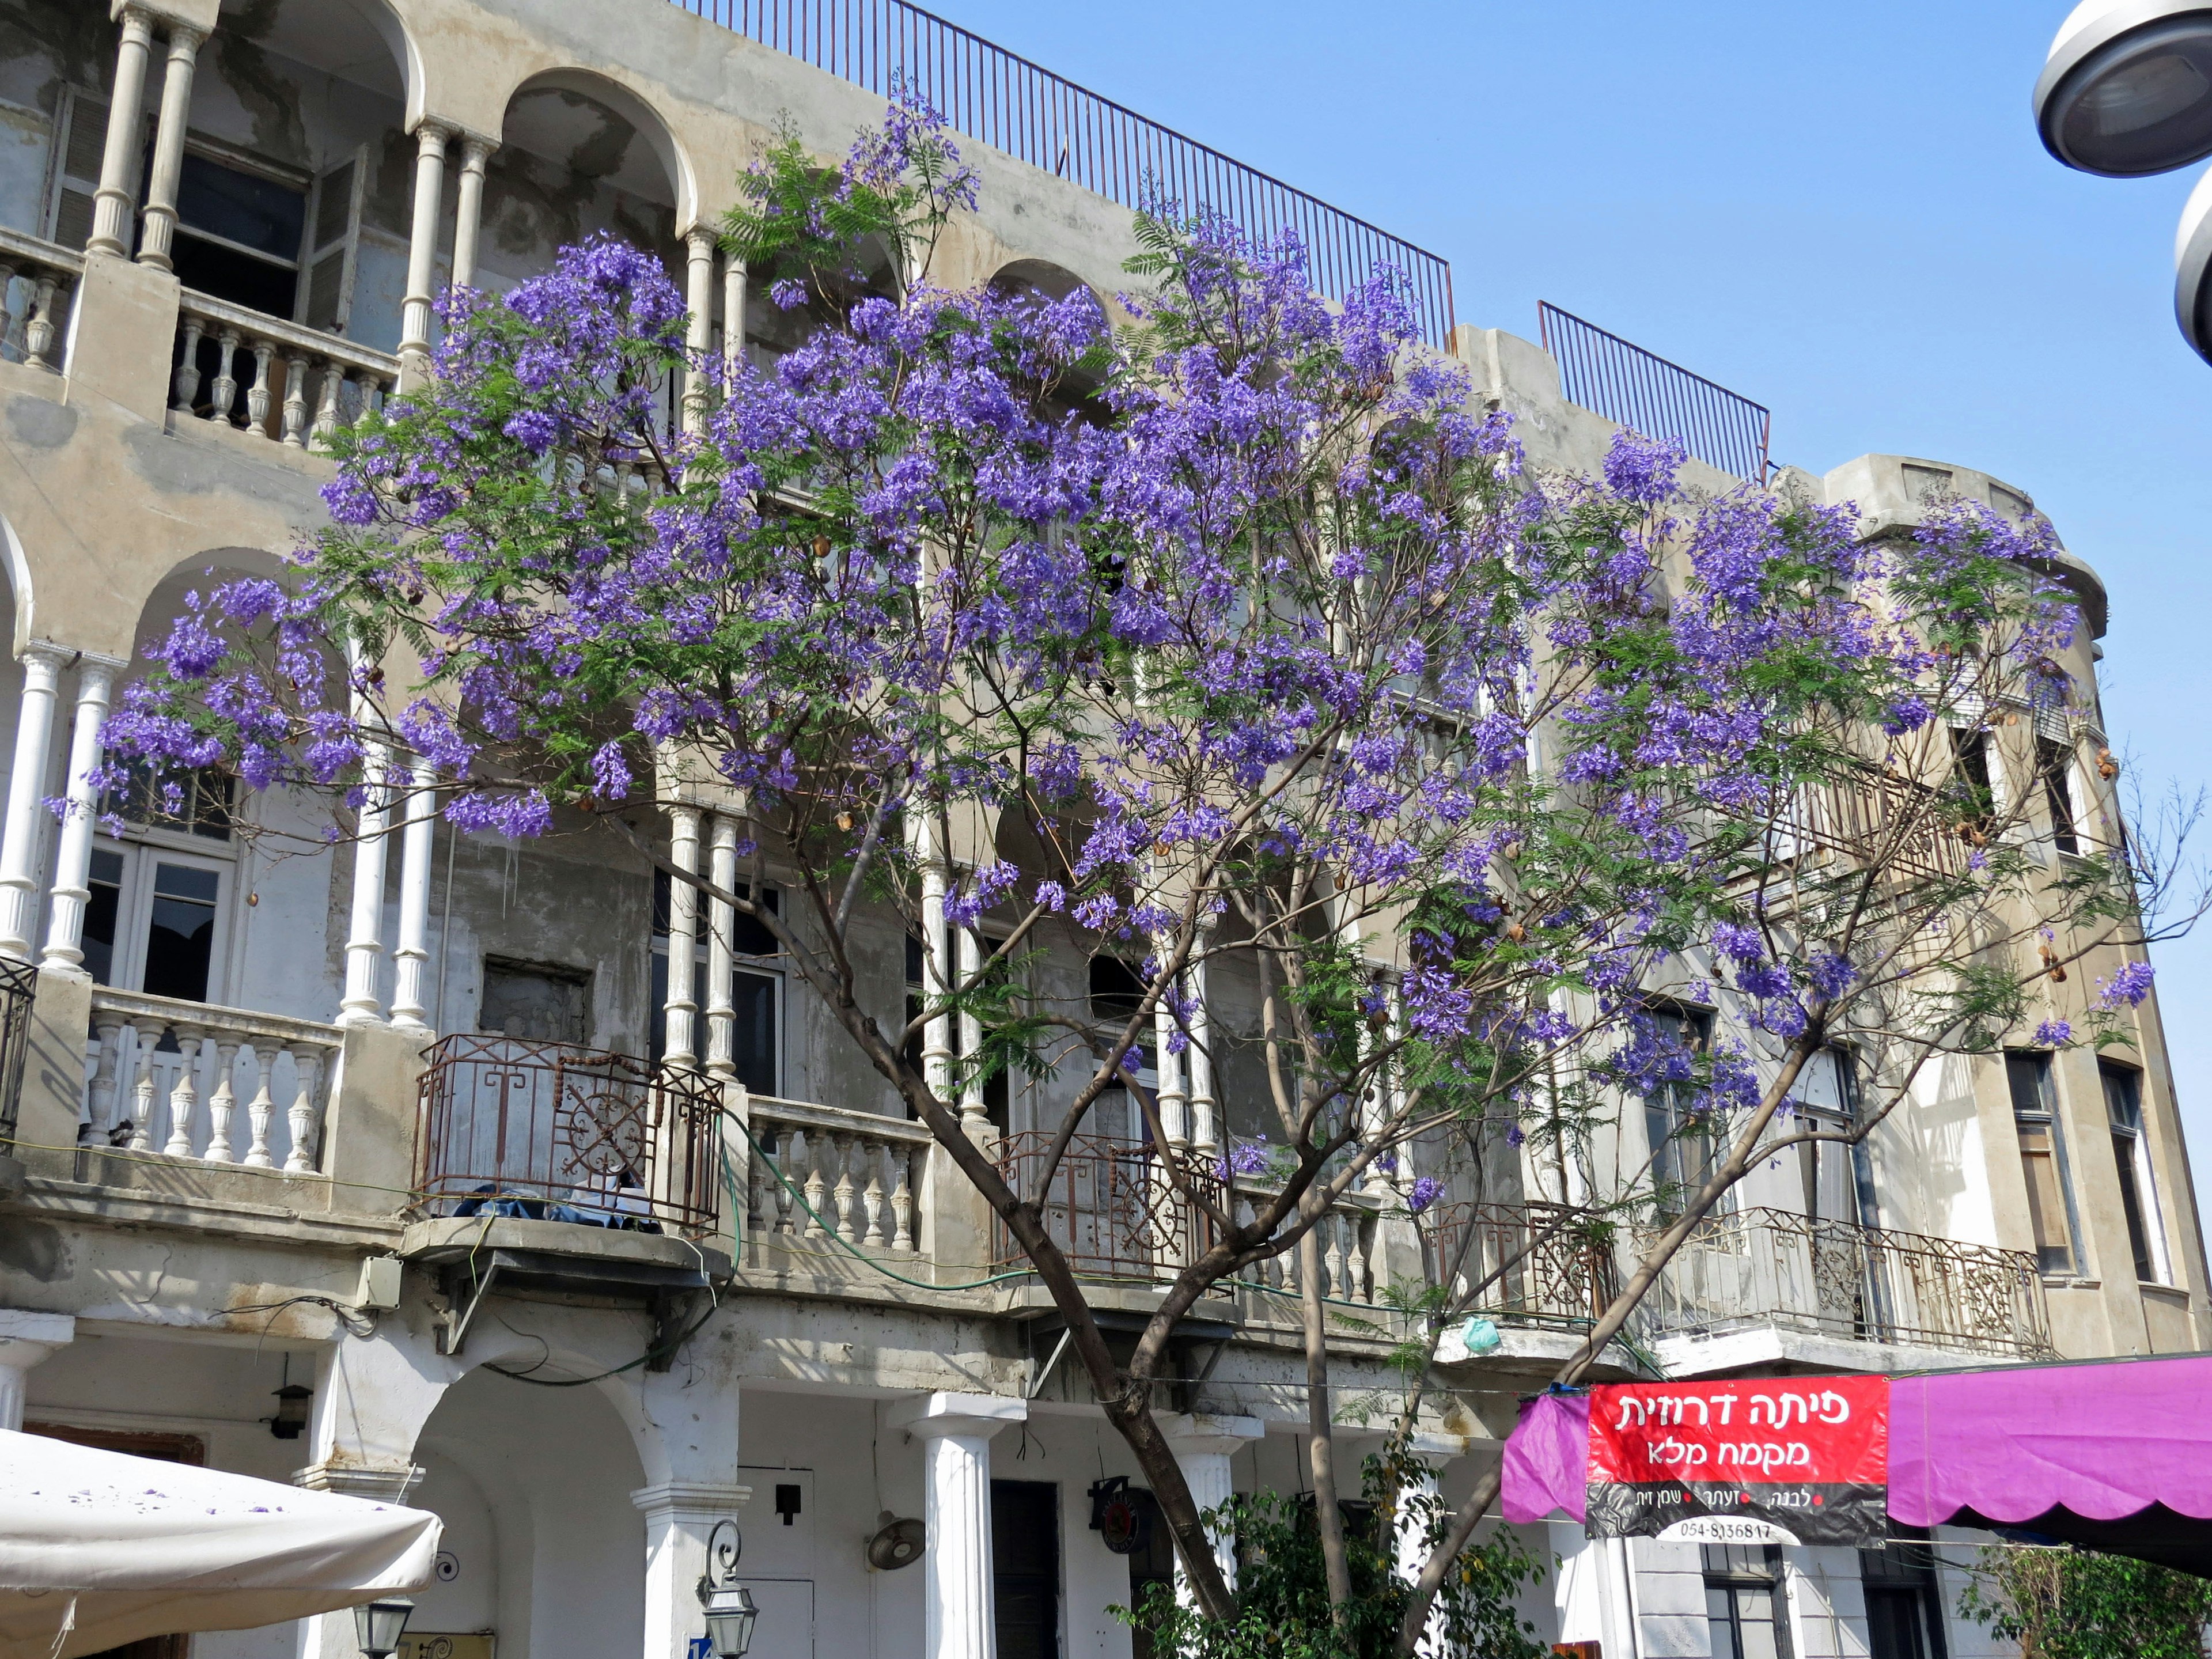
857,1171
37,278
186,1080
289,384
1351,1240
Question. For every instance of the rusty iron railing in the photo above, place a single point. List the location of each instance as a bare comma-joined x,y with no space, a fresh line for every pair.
1545,1262
1774,1267
1110,1207
1004,100
19,984
1641,390
548,1131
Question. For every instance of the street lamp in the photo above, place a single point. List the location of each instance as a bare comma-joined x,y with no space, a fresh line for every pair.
2192,266
379,1625
730,1610
2127,90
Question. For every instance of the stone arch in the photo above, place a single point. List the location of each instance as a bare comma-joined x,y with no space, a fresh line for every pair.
580,152
335,35
1041,276
19,585
160,601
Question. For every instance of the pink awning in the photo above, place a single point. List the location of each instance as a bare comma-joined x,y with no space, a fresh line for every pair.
2114,1454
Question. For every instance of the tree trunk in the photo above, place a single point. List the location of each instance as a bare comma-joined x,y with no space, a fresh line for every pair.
1320,1451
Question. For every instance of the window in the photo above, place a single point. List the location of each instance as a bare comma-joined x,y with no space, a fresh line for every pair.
536,1002
757,990
73,175
237,233
1838,1182
1904,1602
1971,782
2043,1160
2131,1157
1117,991
1744,1605
2054,761
1683,1155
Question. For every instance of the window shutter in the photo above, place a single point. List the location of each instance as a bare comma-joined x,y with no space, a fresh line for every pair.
80,142
333,244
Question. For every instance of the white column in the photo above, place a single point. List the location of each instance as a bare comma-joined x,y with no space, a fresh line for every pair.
1409,1532
677,1047
422,243
26,1340
974,1119
95,679
27,788
1205,1116
734,315
169,145
936,1033
956,1431
468,209
721,931
699,327
679,1516
1168,1065
365,937
1203,1444
119,162
417,847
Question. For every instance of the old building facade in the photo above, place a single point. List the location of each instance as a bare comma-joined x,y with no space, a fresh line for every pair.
264,1082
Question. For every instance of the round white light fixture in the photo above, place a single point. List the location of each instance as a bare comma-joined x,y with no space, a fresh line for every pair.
2127,87
2192,270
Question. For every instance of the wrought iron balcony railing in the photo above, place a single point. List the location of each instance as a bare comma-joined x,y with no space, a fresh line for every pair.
1642,390
1014,105
1111,1208
19,984
1526,1263
1772,1267
548,1132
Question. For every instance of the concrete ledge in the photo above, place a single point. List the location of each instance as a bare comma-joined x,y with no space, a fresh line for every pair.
1770,1349
454,1238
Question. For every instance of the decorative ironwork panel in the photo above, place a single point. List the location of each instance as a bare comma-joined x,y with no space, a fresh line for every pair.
1111,1206
548,1131
19,984
1542,1262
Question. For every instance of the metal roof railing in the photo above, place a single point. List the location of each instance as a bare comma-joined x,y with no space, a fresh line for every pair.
1002,99
1636,388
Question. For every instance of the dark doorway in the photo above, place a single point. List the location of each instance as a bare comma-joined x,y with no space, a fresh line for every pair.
1151,1563
168,1449
1903,1602
1025,1567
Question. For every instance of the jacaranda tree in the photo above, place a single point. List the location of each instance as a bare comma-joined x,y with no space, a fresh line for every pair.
1264,645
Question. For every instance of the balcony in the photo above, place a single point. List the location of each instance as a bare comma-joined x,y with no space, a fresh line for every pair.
1771,1270
1526,1264
529,1131
1109,1207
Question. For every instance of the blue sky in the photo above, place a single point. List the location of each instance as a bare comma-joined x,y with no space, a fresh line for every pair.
1841,211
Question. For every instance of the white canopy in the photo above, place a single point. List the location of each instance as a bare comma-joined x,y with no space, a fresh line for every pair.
98,1548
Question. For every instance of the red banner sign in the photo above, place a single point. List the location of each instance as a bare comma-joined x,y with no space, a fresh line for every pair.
1756,1459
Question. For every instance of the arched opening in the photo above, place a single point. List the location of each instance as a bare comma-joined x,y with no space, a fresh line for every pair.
1075,395
548,1552
579,155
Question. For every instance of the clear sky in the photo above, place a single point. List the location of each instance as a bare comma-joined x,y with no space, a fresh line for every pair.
1840,211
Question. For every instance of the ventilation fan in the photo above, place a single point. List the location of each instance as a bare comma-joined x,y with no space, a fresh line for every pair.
897,1544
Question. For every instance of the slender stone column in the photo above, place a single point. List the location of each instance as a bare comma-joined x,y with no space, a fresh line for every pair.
1409,1540
975,1119
26,1340
734,315
169,146
365,937
27,788
1205,1116
468,209
721,931
422,244
95,679
937,1032
678,1047
679,1518
119,162
956,1431
1167,1066
1203,1444
699,329
417,849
